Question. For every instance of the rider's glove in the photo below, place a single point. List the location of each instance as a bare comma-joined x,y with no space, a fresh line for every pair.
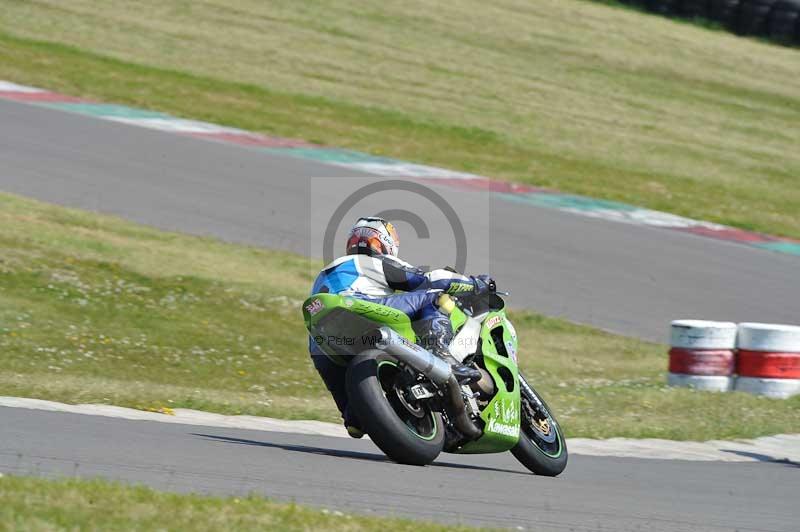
483,284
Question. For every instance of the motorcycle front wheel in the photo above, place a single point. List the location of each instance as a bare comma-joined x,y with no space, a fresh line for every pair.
541,447
407,431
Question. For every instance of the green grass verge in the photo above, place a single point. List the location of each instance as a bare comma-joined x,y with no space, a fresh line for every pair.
583,97
94,309
37,504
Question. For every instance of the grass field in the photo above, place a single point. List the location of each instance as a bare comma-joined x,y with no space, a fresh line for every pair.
580,96
94,309
43,505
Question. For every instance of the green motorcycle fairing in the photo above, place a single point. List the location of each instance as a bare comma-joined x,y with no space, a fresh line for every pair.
337,323
501,416
457,319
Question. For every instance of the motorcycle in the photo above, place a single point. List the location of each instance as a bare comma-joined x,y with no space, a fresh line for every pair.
408,400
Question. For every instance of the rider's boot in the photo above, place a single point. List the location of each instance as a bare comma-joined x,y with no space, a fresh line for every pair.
435,336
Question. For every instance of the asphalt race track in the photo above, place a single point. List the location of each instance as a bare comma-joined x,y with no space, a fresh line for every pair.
625,278
353,476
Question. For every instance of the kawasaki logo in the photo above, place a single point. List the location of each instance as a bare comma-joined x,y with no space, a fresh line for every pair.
500,428
506,419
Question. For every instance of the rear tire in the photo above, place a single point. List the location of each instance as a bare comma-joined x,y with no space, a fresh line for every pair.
405,438
541,447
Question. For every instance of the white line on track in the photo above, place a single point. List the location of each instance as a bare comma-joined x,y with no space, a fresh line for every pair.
783,447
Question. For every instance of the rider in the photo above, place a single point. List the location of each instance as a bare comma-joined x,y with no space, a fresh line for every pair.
372,271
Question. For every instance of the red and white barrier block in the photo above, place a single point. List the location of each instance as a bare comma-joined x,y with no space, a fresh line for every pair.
702,354
768,361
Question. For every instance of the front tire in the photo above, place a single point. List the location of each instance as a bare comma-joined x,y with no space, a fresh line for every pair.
541,447
409,433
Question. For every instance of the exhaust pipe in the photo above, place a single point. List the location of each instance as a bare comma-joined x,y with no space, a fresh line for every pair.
436,370
415,356
458,411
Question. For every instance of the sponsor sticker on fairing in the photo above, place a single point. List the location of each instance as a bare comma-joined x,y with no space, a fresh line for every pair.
314,307
510,328
493,321
512,351
506,419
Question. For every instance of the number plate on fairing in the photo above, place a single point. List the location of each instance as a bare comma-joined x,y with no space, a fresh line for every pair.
420,392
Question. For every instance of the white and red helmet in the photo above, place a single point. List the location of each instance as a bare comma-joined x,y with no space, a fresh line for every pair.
373,236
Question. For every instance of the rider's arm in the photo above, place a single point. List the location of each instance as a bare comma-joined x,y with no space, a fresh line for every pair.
403,276
450,281
453,282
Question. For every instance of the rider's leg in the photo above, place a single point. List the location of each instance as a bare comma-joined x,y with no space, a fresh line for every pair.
431,325
436,332
333,376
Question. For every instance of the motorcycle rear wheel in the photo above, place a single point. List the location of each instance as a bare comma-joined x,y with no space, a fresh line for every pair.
408,432
541,447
